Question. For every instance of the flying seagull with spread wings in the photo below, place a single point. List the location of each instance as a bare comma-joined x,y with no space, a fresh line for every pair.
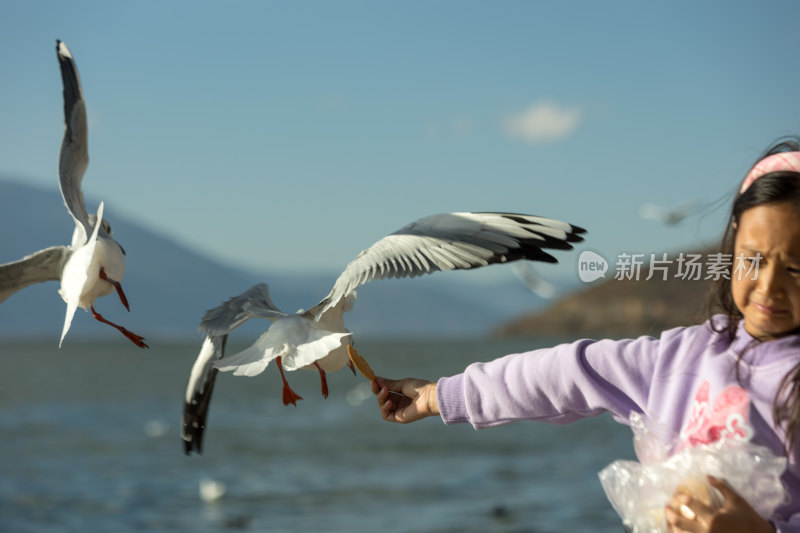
93,264
317,339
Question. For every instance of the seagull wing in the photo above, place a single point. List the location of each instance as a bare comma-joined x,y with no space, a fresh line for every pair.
668,215
679,212
255,302
74,157
217,323
533,281
652,212
44,265
198,393
453,241
76,275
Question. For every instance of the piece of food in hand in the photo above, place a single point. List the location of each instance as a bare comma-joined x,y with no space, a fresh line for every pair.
699,489
696,487
360,363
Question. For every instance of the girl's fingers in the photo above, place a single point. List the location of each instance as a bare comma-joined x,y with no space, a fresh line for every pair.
693,509
388,409
391,384
380,394
676,521
721,485
389,403
396,398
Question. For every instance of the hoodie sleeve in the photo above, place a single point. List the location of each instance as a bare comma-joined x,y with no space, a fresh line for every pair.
792,526
556,385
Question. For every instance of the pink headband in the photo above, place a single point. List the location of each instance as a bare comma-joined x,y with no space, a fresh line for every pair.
782,161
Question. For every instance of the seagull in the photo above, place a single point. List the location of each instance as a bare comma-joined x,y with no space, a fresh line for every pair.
668,216
533,281
217,323
93,264
317,339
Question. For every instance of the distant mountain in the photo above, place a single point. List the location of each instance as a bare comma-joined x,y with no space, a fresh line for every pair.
617,309
170,286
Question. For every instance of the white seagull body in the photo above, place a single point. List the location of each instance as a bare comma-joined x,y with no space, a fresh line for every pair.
93,264
317,338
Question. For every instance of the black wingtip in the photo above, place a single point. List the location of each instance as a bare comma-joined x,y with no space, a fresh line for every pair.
71,81
61,48
195,414
576,235
193,435
190,446
577,229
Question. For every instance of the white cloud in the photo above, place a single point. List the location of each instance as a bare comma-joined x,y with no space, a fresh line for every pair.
542,122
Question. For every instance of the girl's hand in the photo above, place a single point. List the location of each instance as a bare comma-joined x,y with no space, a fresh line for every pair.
405,400
687,514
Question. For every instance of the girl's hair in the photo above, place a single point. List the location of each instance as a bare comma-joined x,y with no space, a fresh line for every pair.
775,187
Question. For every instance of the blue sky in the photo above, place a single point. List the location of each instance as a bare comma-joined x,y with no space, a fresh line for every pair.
291,135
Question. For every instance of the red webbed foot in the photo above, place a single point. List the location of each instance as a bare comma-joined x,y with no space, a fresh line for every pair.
133,337
289,396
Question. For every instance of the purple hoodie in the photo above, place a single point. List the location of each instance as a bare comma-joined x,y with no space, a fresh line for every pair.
685,381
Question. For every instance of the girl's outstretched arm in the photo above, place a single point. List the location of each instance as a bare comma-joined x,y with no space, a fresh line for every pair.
405,400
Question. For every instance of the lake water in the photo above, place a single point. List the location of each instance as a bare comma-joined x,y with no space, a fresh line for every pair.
90,441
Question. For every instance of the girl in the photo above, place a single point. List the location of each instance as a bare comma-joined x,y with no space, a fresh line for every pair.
736,375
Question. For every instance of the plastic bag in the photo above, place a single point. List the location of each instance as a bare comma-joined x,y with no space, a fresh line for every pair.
639,491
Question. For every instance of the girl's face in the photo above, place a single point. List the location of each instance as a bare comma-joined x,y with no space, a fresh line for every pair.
769,299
